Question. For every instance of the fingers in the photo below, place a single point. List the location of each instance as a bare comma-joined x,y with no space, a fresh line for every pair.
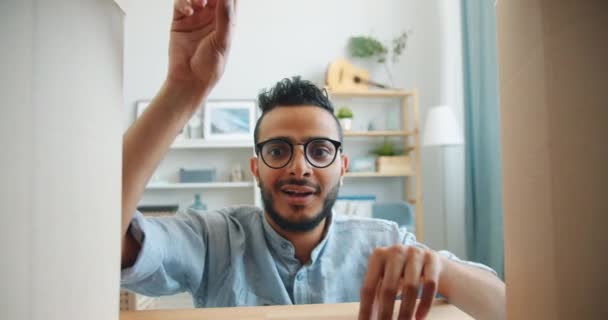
199,3
391,281
399,267
370,284
185,8
432,268
411,282
226,20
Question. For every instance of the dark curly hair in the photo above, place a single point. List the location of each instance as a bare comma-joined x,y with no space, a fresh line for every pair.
290,93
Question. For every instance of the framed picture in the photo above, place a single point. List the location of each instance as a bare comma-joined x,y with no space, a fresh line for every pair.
229,120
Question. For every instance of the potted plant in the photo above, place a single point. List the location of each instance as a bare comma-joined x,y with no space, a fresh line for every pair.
368,47
345,116
391,160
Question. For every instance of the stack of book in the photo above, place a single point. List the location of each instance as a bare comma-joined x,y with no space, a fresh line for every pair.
158,210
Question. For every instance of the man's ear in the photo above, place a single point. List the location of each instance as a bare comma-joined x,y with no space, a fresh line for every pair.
255,170
344,159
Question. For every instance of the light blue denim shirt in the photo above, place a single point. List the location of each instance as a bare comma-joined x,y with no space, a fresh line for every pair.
233,257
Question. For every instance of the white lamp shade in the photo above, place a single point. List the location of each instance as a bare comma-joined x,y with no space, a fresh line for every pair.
441,128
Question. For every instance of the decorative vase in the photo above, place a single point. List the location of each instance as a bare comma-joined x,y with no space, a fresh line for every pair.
346,123
198,204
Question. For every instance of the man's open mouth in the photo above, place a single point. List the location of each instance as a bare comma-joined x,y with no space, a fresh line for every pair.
297,194
298,191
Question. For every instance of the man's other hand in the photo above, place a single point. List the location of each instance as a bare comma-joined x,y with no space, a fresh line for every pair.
400,269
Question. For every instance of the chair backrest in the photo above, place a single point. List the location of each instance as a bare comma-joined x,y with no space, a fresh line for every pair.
399,212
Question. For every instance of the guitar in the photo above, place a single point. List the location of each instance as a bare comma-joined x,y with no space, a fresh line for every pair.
343,75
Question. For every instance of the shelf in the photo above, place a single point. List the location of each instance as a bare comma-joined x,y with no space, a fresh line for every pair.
206,185
209,144
377,174
371,93
378,133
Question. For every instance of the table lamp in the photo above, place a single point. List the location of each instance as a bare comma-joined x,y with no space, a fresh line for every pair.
442,130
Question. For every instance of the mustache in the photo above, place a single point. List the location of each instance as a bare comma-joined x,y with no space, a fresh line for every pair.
298,182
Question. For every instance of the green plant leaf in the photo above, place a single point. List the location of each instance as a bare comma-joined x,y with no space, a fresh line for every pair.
366,47
399,45
386,149
344,113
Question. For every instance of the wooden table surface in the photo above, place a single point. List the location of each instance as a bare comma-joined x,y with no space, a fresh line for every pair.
343,311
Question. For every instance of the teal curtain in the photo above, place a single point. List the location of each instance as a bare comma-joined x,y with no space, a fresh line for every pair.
482,122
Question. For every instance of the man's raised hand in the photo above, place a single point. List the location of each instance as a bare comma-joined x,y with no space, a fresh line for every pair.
201,33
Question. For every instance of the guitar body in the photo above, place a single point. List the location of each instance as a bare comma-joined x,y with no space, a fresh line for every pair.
341,75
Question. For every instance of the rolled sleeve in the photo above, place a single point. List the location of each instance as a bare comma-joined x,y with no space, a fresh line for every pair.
453,257
408,238
149,258
172,255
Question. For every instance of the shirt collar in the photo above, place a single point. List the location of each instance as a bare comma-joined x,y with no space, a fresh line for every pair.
284,248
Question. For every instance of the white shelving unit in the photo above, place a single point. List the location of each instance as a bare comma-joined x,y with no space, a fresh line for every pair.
373,104
377,174
222,155
207,185
211,144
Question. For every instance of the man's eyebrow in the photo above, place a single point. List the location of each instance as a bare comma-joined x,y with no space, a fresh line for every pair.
318,137
280,138
304,139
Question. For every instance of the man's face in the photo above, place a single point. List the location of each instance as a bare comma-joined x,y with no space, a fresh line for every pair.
298,196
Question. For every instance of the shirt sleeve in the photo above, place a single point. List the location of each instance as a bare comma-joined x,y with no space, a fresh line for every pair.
172,255
409,239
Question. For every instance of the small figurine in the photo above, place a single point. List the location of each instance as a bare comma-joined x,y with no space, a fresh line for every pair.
236,174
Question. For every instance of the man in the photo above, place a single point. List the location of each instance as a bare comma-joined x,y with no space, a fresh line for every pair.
294,251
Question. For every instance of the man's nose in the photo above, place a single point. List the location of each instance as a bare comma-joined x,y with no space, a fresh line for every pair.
299,167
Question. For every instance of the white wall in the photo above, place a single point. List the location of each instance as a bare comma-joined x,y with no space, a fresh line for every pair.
60,159
452,94
277,39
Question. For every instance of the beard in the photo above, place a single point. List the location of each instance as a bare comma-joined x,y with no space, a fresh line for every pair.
303,225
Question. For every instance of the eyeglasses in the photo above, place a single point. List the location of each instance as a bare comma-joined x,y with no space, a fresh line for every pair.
319,152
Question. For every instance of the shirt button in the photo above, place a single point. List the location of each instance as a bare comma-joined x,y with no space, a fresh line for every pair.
300,277
284,245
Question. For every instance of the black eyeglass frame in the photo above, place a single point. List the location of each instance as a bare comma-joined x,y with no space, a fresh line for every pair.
260,145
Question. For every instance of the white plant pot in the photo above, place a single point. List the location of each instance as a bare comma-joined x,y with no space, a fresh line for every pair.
346,123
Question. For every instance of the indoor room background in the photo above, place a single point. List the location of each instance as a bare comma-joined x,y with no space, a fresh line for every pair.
72,72
277,39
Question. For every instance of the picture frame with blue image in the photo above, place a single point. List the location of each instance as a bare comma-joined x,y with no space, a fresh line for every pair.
229,119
